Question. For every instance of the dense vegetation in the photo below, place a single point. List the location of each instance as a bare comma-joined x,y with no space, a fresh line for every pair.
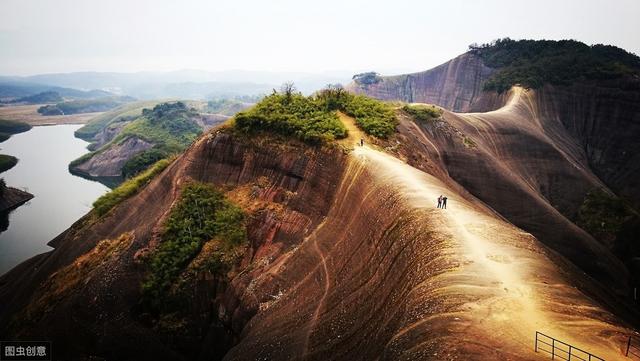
532,63
84,106
313,119
130,187
10,127
201,214
292,114
7,162
423,113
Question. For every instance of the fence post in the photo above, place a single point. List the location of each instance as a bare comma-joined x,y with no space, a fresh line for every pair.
536,348
553,348
569,359
628,345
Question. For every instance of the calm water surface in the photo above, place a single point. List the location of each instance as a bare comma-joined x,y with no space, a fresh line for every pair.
60,198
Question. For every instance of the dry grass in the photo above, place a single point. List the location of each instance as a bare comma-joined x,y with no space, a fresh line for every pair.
62,282
29,114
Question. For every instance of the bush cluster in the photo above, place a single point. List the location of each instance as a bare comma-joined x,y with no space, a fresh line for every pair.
532,63
292,114
313,119
423,112
201,214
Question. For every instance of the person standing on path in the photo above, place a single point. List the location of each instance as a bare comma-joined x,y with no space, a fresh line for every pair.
361,142
444,202
440,201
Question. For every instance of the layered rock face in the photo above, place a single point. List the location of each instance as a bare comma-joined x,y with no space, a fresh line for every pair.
455,85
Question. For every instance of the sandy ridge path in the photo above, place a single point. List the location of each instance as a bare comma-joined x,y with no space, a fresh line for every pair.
520,308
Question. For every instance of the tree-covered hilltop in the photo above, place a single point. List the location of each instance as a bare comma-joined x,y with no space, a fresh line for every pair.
532,63
313,119
169,127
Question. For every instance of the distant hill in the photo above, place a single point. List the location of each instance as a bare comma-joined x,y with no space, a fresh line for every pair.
84,105
13,91
183,84
40,98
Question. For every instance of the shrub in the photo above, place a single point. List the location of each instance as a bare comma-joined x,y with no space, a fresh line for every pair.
202,213
130,187
423,112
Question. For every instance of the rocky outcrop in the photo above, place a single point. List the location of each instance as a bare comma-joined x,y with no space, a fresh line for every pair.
109,161
455,85
11,198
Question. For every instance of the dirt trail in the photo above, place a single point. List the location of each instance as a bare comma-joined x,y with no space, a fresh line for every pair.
513,306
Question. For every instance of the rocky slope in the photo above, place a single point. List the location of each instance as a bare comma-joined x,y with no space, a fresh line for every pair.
347,258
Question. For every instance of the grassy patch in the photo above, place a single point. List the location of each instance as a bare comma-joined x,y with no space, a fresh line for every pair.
7,162
105,203
423,113
374,117
201,214
532,63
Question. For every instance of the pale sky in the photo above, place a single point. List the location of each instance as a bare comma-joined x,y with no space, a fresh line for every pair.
43,36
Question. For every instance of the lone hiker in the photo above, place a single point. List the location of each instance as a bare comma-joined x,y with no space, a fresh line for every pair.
361,142
444,202
440,201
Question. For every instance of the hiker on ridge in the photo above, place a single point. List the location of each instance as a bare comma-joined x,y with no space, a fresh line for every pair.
440,201
444,202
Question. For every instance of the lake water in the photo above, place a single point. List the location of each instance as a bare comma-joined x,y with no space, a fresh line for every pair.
60,198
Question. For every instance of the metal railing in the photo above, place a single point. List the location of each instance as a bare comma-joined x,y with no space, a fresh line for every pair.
633,347
562,350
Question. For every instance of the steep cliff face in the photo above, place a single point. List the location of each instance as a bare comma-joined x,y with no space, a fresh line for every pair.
454,85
